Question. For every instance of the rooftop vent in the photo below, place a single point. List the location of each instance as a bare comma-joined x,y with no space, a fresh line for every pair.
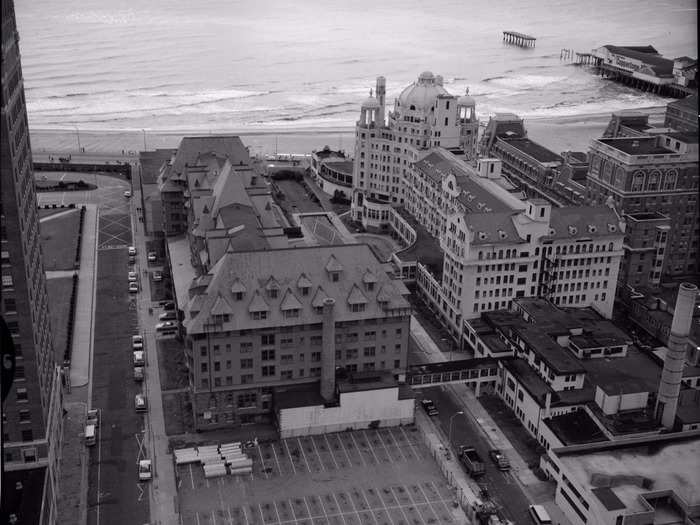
552,231
592,228
482,236
502,234
573,230
612,227
635,143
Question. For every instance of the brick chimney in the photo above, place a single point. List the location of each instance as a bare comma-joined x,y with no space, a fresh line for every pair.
328,354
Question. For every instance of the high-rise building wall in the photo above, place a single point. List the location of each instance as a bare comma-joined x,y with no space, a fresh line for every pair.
31,416
425,116
653,173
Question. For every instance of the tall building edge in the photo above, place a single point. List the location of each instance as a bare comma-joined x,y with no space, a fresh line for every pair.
32,412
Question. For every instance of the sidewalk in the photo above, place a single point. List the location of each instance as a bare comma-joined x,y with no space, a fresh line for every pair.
163,493
81,354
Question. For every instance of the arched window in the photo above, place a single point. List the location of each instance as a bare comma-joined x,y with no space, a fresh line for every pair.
653,181
638,180
671,177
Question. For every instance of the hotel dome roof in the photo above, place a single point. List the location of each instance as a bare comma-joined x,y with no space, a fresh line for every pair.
466,100
371,102
422,94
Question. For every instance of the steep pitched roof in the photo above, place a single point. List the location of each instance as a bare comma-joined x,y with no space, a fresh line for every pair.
369,277
356,296
304,282
258,304
192,147
319,297
221,307
290,302
237,286
333,265
492,228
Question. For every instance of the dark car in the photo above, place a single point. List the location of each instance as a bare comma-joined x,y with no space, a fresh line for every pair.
168,305
429,407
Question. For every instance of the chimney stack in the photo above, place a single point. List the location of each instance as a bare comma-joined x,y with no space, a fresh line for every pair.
328,355
672,374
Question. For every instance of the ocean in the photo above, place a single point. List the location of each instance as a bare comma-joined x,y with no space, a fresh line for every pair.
279,65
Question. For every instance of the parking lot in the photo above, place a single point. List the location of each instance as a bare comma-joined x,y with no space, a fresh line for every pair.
375,476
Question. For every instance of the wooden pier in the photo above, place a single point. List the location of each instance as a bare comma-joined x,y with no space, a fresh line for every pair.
518,39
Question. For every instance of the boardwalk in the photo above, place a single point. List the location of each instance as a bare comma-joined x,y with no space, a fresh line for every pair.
519,39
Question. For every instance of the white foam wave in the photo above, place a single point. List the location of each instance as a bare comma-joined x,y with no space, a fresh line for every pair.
525,81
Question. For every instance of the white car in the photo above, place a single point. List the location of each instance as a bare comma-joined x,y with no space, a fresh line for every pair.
138,373
157,276
132,276
152,257
93,417
137,342
165,326
140,403
145,473
139,358
127,193
132,250
168,316
133,287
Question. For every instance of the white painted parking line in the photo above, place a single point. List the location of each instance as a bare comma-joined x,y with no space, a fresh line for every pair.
345,451
397,444
277,512
441,500
410,445
330,451
379,435
340,510
371,448
308,467
196,515
369,507
261,513
319,455
294,516
289,455
213,517
323,507
432,509
358,448
245,515
191,476
230,518
354,507
308,509
262,463
415,505
274,453
400,506
207,480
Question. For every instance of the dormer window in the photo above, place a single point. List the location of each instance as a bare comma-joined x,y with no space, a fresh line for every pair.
304,290
238,296
358,307
258,316
335,276
370,286
290,314
272,293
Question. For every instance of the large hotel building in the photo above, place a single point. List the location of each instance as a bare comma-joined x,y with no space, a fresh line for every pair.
32,419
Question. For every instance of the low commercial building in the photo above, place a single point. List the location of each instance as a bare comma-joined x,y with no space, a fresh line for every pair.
652,479
682,115
332,171
256,323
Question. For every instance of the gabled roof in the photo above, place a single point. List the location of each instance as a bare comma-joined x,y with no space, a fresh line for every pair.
237,286
333,265
304,282
197,302
258,304
369,277
319,297
192,147
356,296
272,284
583,221
290,302
492,228
221,307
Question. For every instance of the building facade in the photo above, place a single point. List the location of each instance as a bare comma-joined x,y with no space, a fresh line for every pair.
683,114
653,174
425,116
255,324
332,171
32,418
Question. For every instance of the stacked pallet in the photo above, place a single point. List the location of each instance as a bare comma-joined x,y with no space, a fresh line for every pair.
217,460
236,460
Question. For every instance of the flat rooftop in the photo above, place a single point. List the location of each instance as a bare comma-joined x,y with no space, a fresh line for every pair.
684,136
646,216
534,150
634,373
575,428
527,377
637,146
366,380
183,272
620,473
454,366
25,503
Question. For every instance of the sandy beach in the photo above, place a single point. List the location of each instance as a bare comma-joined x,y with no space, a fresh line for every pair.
556,133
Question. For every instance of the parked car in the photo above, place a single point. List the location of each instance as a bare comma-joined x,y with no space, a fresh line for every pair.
139,358
429,407
168,316
133,277
140,403
145,473
157,276
166,326
152,257
127,193
90,435
133,287
132,259
168,305
132,250
500,459
93,417
138,373
137,342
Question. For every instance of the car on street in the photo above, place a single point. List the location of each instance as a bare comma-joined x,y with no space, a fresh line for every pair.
429,407
157,276
138,373
499,459
168,305
132,250
145,473
140,403
166,326
168,316
152,257
127,193
139,358
93,417
90,435
137,342
133,287
132,259
132,277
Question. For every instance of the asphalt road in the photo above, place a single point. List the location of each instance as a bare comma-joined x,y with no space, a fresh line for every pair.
502,486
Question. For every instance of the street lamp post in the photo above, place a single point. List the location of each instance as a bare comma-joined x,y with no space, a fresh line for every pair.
77,132
144,140
449,434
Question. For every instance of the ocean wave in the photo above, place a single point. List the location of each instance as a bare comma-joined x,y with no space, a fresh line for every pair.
525,81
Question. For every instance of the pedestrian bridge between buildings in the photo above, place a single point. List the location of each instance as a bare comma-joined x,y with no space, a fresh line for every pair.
476,373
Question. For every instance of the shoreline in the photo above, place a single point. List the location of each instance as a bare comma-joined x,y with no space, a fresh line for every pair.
560,133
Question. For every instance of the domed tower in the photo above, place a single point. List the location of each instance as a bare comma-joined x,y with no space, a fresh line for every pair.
369,112
469,125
